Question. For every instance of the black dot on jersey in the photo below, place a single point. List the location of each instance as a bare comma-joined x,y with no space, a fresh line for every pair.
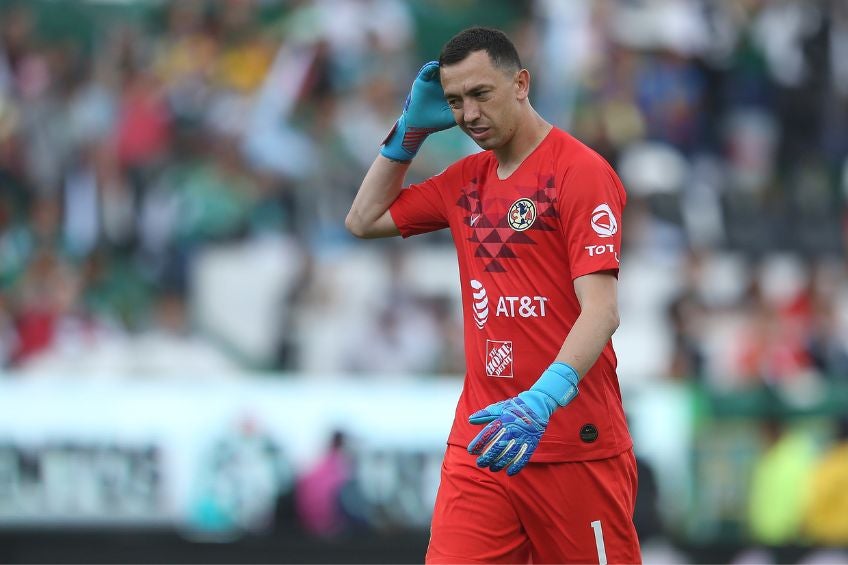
588,433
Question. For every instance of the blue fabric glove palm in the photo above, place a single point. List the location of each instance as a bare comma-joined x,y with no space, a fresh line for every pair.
424,112
515,426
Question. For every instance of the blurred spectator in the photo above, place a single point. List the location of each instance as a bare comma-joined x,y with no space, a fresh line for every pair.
826,517
170,347
687,316
779,490
245,471
404,336
318,492
770,351
646,517
8,336
401,341
48,315
827,342
771,346
142,129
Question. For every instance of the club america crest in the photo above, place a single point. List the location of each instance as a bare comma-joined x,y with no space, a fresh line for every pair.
521,214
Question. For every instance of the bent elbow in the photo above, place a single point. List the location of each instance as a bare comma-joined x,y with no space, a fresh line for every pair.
354,226
614,320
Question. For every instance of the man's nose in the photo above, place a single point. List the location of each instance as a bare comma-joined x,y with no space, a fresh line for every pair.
471,111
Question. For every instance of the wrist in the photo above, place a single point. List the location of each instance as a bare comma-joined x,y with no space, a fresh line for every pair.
392,146
403,141
559,383
540,403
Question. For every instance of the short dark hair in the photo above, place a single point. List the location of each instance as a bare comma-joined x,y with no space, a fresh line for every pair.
500,49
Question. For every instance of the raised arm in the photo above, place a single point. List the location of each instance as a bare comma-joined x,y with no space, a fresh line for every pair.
369,214
424,112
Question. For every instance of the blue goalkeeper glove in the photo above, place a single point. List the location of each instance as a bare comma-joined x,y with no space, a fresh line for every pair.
424,112
515,426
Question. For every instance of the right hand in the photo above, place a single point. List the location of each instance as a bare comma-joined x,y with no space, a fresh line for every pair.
425,111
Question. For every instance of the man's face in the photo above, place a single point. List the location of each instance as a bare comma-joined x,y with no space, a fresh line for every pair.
484,99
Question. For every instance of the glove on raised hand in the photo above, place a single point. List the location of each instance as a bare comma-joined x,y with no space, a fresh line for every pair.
515,426
424,112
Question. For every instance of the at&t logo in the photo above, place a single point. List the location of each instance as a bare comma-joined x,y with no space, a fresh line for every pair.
480,304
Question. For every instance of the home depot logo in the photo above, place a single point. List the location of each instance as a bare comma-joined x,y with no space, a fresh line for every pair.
498,358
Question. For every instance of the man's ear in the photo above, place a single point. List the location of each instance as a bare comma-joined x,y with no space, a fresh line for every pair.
522,84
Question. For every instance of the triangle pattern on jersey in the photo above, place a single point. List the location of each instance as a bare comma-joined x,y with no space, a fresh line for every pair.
484,222
493,237
469,197
495,267
504,233
482,252
506,253
542,226
495,244
464,202
520,237
493,248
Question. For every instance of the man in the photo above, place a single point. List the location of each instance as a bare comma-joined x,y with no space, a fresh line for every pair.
535,220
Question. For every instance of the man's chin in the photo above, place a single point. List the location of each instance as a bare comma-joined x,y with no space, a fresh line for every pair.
483,143
487,142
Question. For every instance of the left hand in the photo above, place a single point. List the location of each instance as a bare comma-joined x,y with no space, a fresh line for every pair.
515,426
513,432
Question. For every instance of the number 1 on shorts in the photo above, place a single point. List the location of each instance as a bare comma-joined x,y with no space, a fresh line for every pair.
599,542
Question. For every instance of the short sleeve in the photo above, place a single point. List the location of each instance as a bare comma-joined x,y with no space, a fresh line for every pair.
591,203
421,208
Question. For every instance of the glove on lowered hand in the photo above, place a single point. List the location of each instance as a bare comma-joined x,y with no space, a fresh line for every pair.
515,426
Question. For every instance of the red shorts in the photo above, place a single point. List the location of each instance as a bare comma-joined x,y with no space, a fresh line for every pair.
575,512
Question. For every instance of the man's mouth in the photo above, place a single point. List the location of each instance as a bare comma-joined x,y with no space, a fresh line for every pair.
478,132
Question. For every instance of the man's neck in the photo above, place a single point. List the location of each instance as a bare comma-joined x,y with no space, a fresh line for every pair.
523,143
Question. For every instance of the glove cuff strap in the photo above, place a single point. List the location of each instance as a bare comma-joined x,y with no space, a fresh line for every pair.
393,150
559,381
403,141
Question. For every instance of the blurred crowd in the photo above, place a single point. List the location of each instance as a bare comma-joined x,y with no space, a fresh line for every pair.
174,178
149,164
151,159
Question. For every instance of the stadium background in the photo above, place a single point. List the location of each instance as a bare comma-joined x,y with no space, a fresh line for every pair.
199,364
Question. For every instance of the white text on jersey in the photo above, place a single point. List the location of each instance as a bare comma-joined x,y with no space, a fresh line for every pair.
601,249
522,306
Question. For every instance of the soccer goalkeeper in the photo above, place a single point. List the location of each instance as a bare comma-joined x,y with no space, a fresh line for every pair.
535,217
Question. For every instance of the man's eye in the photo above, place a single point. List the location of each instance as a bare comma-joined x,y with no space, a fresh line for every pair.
455,104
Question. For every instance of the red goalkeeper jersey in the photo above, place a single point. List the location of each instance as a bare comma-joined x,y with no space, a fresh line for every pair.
521,241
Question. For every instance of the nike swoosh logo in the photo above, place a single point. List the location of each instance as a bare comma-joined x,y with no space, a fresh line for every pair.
474,218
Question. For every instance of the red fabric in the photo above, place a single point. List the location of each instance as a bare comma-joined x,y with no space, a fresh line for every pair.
36,329
143,129
544,514
516,270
